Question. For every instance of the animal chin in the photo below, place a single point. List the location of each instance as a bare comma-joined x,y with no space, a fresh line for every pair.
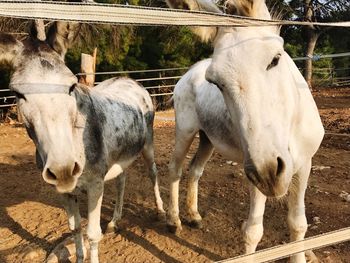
275,192
270,191
67,187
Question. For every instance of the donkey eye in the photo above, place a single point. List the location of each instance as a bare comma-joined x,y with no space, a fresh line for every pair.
71,89
19,95
274,62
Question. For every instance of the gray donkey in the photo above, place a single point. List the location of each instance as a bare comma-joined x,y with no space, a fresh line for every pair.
83,136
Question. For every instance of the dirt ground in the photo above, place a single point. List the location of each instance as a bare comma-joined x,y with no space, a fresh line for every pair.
32,221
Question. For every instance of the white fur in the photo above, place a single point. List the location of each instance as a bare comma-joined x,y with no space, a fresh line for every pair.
264,116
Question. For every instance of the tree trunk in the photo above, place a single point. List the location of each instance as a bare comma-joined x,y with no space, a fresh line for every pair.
312,36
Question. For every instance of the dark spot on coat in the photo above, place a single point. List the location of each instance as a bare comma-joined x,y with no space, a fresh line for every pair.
32,135
112,127
39,162
46,64
34,47
95,120
149,116
130,131
93,133
6,39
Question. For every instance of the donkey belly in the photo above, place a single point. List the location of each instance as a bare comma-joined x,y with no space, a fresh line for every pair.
124,131
227,149
216,122
222,140
128,138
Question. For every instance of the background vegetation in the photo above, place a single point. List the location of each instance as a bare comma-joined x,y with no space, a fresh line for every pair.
127,48
137,48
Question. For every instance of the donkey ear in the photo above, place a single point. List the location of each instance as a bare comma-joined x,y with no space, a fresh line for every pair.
205,33
251,8
37,30
10,47
61,35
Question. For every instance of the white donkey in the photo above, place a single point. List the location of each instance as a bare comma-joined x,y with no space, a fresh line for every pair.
83,136
250,102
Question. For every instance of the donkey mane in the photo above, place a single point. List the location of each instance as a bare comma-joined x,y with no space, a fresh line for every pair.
83,89
35,46
249,8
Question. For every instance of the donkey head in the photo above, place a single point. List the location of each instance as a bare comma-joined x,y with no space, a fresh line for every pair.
44,85
251,68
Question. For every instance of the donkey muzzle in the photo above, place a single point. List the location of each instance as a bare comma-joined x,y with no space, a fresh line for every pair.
63,176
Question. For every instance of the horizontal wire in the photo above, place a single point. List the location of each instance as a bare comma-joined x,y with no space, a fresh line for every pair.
136,15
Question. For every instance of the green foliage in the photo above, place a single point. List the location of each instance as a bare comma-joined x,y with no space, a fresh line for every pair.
133,48
136,48
142,48
164,47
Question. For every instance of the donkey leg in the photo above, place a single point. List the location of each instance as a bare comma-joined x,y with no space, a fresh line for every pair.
182,144
118,208
253,229
204,152
71,205
95,194
296,209
148,155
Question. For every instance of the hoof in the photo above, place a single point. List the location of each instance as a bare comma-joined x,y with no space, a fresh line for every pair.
161,216
112,228
174,229
196,224
66,252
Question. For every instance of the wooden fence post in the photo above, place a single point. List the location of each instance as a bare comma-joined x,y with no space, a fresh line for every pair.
88,66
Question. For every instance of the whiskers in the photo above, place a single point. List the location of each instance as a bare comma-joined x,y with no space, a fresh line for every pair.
292,190
293,187
281,201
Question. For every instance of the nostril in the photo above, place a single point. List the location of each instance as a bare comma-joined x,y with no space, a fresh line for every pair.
50,175
280,166
76,169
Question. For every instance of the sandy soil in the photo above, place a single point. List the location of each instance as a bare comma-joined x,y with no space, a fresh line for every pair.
32,221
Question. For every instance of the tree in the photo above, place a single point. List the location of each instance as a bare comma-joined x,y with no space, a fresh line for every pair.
316,11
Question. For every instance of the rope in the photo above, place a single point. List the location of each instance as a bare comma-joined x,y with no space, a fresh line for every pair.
130,71
318,57
161,94
287,250
160,87
135,15
161,78
315,57
7,105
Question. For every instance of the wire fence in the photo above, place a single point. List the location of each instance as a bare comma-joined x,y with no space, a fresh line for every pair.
161,82
136,15
329,77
